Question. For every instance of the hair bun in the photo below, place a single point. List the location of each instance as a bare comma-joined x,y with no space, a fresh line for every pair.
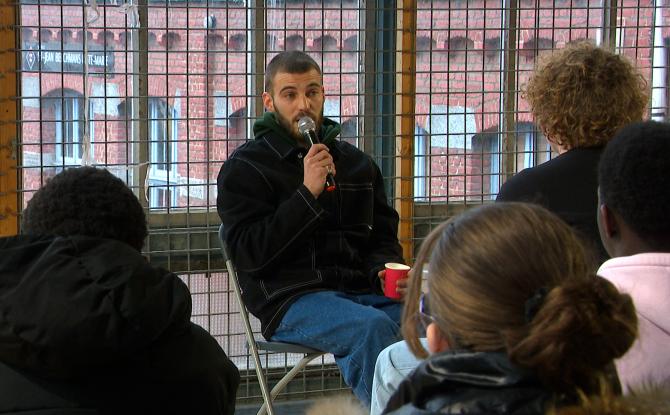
578,315
533,304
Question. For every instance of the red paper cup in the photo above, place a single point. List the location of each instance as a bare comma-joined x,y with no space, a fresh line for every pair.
394,272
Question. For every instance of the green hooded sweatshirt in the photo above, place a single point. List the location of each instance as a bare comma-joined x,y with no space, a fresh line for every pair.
268,124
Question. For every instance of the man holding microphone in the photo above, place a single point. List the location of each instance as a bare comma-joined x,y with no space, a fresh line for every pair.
309,227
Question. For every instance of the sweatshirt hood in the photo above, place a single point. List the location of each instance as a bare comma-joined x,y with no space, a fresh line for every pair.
268,124
69,305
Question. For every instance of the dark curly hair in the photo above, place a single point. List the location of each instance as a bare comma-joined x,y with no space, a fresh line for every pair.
86,201
634,180
583,94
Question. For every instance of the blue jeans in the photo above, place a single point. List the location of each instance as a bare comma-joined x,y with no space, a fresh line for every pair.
393,364
354,328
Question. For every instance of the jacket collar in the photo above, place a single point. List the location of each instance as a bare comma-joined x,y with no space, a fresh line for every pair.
287,151
447,382
268,129
283,148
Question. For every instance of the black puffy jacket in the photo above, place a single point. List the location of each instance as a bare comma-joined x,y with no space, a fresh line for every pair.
88,326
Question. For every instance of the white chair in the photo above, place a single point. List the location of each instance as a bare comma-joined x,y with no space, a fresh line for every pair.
268,346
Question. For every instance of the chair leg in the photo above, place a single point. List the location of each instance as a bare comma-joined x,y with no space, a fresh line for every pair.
288,377
267,399
263,383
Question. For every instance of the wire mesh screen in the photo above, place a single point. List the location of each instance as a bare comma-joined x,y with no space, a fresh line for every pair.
473,60
161,93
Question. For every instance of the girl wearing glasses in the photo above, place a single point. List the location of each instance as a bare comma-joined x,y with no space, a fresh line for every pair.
516,320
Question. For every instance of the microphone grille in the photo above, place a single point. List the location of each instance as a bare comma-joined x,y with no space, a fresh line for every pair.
306,124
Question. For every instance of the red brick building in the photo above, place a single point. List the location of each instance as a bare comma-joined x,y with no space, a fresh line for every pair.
200,84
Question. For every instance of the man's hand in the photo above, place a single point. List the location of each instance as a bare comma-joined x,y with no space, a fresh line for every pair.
402,283
317,164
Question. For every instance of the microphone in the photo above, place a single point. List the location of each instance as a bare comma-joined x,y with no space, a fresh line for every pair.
307,128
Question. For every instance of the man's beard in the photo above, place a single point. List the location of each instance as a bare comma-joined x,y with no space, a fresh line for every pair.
291,127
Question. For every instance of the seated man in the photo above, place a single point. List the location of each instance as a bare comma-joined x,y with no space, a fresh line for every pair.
634,196
309,260
87,325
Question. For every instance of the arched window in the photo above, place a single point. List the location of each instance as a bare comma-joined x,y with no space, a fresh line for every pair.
294,42
532,149
65,107
421,163
163,176
350,131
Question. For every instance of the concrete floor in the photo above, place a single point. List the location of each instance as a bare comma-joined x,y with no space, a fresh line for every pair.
344,399
281,408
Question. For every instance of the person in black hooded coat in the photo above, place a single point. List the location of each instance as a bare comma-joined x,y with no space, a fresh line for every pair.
87,325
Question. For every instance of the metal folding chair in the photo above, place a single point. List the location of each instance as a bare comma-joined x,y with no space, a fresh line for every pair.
268,346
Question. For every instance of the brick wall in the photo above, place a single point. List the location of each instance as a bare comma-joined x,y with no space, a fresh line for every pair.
458,65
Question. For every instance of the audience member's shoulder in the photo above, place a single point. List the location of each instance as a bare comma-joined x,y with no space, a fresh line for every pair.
20,242
124,272
521,185
73,247
558,173
108,254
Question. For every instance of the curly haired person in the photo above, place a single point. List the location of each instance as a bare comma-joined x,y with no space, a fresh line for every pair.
580,96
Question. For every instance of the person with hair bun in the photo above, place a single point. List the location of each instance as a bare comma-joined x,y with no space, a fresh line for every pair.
516,322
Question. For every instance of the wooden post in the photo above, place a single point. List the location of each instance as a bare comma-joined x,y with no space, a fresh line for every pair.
406,104
9,196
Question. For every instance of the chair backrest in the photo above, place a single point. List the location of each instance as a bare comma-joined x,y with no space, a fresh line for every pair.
224,246
232,276
270,346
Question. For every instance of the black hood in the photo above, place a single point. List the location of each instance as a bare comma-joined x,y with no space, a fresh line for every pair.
71,305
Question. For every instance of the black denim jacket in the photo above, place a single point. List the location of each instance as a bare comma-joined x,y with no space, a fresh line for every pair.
286,243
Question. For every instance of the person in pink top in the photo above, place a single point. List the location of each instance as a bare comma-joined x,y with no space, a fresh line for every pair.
634,196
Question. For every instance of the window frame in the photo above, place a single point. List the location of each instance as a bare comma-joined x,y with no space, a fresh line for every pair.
75,125
163,138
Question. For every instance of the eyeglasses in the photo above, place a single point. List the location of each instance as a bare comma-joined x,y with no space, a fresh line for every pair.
424,316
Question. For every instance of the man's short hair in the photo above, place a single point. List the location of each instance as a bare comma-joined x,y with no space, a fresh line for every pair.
634,179
293,61
86,201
